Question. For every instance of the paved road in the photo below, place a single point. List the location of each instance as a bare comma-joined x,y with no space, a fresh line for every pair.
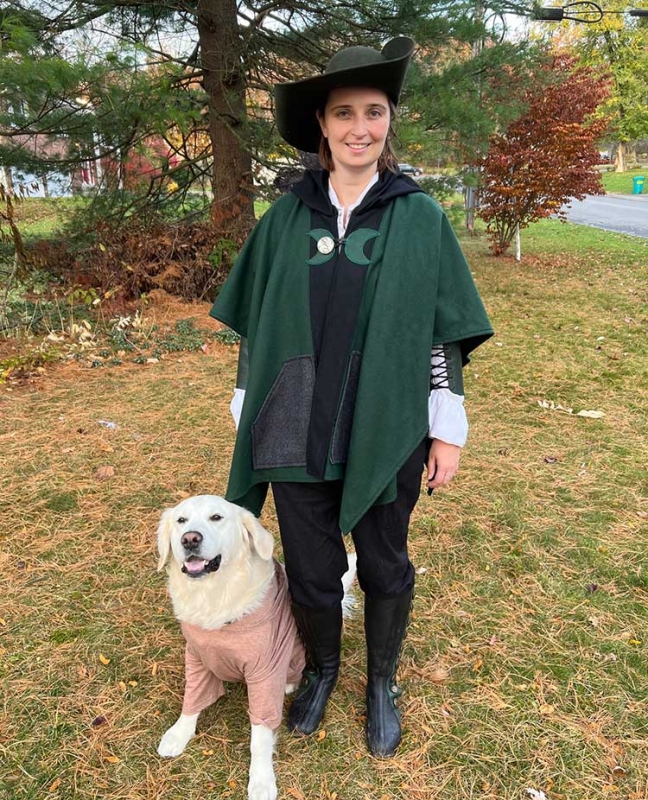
613,212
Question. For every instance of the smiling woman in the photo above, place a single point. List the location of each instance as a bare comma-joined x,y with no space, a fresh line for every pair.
355,125
359,311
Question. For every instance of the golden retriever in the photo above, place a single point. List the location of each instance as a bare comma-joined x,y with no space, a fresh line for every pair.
232,601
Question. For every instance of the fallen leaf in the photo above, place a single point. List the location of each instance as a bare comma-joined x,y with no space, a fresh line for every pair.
439,675
591,414
554,406
154,669
3,622
618,771
550,459
105,661
232,784
634,642
97,722
546,709
321,735
105,472
592,587
132,683
207,752
112,759
55,785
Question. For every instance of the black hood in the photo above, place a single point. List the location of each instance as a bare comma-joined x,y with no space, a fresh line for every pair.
312,190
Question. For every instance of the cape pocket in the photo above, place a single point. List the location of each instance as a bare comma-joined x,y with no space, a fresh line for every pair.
344,421
280,430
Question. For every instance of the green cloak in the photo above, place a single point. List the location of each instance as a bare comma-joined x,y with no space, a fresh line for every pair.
418,292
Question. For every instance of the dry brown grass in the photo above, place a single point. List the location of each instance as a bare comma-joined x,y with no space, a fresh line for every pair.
525,661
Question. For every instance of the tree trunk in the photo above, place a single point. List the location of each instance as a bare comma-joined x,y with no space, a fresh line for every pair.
6,179
224,82
620,157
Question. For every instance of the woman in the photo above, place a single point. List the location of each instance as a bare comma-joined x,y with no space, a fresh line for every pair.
358,311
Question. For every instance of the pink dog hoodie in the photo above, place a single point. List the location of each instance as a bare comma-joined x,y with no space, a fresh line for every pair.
263,649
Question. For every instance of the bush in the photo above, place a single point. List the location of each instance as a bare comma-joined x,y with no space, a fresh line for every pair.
132,257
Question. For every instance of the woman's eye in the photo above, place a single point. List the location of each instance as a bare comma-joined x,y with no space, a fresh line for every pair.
215,517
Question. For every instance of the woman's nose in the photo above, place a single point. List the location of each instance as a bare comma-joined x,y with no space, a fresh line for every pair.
359,125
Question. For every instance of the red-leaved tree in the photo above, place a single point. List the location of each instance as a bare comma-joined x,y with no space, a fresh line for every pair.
547,156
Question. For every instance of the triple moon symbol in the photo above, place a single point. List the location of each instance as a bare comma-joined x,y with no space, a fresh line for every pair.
353,246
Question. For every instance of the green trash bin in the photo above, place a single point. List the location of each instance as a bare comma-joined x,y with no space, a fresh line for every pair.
637,184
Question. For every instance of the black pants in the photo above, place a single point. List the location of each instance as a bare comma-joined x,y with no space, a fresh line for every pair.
313,549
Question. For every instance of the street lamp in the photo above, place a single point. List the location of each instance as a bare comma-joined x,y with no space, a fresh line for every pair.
582,11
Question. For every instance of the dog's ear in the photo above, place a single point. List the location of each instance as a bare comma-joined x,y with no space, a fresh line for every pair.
164,537
262,540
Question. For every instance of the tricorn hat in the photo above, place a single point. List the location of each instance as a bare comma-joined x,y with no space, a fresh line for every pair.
297,102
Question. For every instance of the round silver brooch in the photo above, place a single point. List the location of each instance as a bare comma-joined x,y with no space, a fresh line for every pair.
325,245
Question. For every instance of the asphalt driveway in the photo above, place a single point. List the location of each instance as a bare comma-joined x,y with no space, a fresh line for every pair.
613,212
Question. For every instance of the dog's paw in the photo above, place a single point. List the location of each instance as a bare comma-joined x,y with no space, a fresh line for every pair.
177,737
262,787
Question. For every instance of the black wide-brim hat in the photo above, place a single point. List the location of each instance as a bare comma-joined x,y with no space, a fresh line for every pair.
297,102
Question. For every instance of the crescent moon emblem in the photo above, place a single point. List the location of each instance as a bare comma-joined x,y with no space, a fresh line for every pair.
325,246
354,245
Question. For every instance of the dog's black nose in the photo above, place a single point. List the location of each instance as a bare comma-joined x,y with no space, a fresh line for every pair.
191,539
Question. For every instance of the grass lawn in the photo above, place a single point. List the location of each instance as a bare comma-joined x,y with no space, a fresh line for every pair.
622,182
526,662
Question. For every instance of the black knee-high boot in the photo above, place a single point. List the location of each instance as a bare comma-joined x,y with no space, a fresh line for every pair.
385,625
321,630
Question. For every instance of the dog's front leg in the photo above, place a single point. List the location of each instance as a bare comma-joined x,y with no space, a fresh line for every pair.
262,784
177,737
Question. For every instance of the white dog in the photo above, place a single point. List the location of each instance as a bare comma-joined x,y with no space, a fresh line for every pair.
232,601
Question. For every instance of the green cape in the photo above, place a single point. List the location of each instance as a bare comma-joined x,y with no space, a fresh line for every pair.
418,292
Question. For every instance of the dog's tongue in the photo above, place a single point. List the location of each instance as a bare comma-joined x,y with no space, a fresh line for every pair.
195,565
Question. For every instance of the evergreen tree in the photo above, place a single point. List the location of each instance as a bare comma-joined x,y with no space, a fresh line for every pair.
111,79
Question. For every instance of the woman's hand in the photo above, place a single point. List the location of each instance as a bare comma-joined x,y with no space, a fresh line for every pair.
443,463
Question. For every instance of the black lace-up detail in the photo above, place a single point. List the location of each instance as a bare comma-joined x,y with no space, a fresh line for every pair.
440,372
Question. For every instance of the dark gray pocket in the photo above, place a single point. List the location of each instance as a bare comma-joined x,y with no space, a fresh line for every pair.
280,430
344,421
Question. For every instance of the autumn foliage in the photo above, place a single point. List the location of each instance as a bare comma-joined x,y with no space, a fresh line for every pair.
546,157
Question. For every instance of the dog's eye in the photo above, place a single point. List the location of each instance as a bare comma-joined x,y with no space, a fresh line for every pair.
182,520
215,517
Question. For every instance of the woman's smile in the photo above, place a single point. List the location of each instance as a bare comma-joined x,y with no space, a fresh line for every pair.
355,123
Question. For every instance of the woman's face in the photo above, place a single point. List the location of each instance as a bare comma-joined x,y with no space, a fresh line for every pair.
356,123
